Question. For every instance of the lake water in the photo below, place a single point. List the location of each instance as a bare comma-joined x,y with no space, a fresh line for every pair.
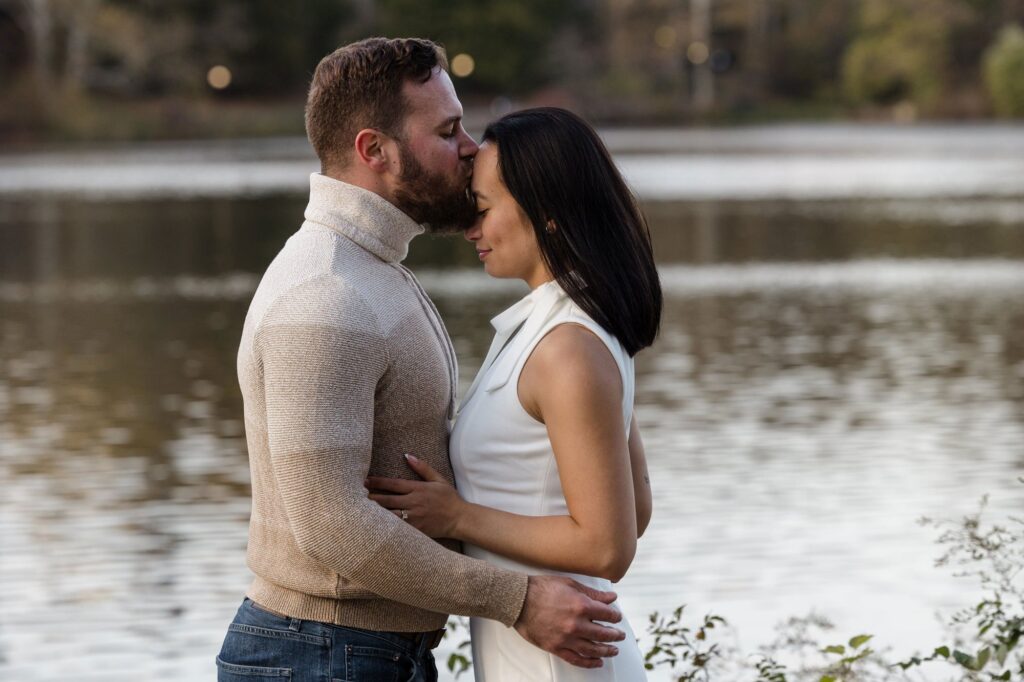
842,353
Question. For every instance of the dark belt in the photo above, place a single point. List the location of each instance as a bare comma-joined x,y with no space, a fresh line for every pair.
433,638
417,638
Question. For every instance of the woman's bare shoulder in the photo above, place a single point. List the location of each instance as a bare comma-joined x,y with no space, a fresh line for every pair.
572,354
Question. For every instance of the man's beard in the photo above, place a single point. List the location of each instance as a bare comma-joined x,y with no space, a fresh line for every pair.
432,199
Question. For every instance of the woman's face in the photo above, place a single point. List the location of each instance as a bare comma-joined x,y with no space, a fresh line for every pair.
504,239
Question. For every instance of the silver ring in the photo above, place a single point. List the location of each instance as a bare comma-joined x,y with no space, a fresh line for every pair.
405,515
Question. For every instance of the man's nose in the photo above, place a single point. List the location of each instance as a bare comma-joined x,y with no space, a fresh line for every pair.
467,146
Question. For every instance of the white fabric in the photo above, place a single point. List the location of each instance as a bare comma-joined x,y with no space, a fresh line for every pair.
502,458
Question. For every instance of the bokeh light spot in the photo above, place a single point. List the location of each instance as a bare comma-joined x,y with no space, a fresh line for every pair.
463,65
219,77
697,52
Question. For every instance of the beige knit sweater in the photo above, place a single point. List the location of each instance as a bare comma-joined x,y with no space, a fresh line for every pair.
344,366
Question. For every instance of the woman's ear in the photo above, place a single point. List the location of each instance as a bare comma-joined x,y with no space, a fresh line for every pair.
371,150
550,228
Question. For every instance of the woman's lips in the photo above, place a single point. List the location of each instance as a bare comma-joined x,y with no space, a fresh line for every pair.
482,253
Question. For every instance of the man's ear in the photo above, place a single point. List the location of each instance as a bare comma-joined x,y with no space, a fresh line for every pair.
371,150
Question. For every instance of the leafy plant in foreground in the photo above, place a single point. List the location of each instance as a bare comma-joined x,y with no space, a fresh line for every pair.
678,645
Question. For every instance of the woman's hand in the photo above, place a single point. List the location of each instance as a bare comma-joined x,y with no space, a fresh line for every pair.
431,505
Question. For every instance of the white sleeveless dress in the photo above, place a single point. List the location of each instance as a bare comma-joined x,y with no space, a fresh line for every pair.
502,458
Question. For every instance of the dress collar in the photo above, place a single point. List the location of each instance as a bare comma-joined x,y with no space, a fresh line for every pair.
531,310
366,218
509,320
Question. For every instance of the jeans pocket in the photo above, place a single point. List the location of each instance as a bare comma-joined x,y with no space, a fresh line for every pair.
231,672
250,654
370,664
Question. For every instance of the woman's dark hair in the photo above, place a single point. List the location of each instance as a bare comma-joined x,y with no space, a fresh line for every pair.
598,247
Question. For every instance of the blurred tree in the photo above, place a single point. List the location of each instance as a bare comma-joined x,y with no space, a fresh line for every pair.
901,52
623,60
286,40
155,47
510,42
1004,72
641,64
59,31
806,40
144,48
14,39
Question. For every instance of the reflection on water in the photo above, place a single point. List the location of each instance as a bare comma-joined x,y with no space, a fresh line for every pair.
828,372
66,239
799,419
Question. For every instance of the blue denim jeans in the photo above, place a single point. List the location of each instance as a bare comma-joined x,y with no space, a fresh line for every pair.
261,645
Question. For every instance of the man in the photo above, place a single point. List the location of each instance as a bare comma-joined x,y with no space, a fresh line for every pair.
344,366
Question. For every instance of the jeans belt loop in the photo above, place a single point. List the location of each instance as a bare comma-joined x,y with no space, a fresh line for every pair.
438,635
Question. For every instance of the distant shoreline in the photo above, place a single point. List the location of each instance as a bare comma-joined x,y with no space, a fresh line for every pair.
792,161
90,120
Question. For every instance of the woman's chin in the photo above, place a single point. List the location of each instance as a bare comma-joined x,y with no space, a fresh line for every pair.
497,273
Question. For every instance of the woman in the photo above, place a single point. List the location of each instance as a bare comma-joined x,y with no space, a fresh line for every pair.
546,453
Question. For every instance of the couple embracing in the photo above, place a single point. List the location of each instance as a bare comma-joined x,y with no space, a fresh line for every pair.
368,478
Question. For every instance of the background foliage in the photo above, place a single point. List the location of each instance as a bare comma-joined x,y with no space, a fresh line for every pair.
615,60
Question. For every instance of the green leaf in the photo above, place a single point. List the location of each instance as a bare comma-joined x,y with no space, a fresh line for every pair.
857,641
458,664
827,678
942,651
1001,653
964,659
835,649
982,657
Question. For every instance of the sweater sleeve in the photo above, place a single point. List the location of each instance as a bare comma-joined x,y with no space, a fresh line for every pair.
320,381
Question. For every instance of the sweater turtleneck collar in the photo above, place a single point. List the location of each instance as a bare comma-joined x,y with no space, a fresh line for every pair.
366,218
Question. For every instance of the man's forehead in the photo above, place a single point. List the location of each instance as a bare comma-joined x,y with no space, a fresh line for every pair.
434,100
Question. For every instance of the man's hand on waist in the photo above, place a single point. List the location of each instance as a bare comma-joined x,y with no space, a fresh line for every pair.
558,616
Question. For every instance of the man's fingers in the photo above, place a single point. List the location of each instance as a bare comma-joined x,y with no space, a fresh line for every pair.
390,485
597,595
607,613
595,632
570,656
588,649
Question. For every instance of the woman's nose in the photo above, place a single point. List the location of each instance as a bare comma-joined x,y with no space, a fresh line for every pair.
473,233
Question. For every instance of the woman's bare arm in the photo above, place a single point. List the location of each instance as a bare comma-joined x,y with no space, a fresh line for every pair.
641,479
572,384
